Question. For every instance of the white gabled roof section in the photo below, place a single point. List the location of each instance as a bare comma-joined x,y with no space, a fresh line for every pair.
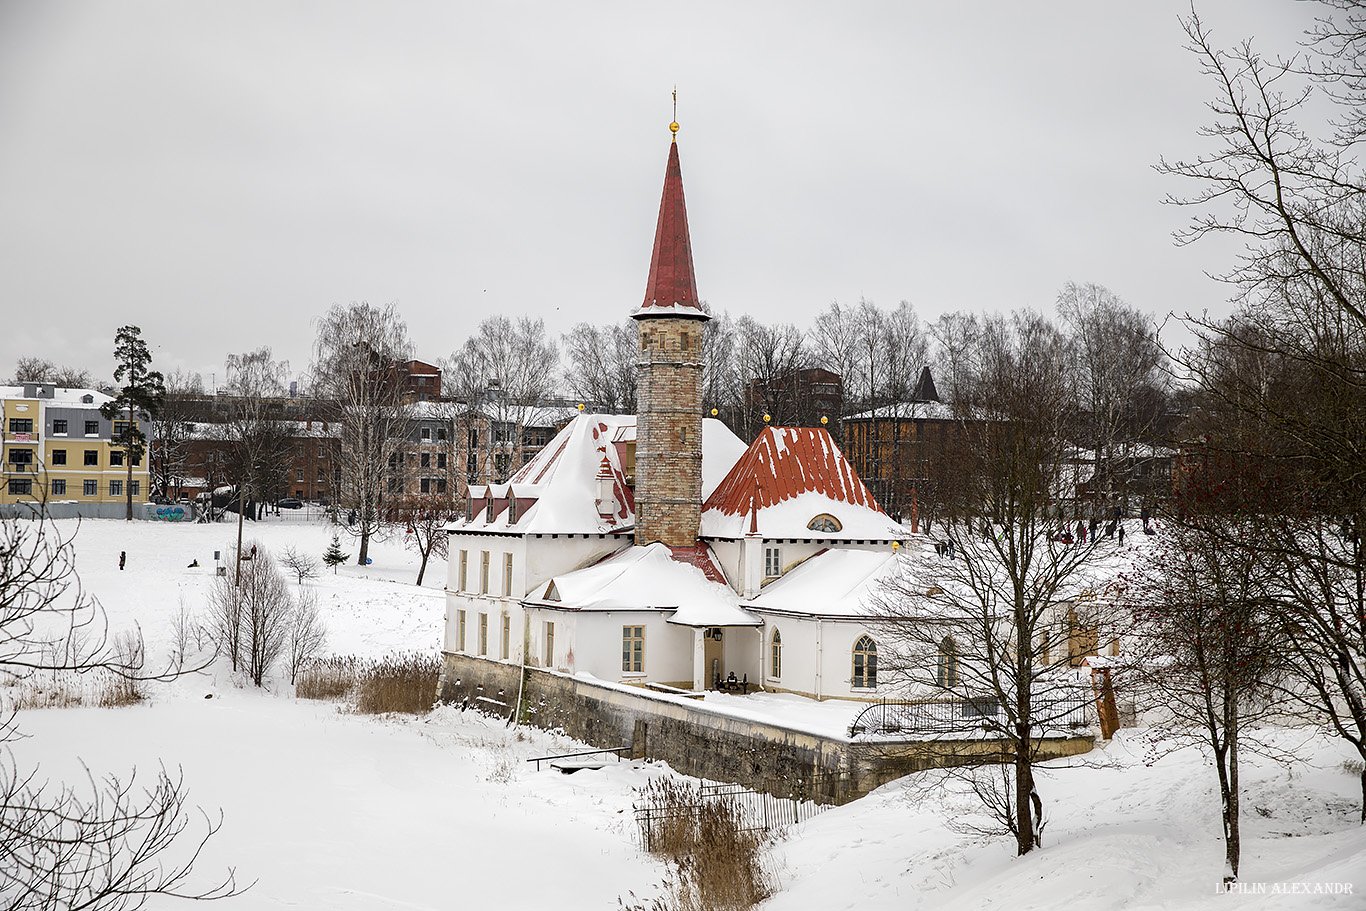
646,578
557,491
833,583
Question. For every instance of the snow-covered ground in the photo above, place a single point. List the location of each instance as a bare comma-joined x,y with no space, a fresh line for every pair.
330,810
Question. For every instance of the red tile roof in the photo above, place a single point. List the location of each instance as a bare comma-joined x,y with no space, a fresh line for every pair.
699,555
672,284
785,462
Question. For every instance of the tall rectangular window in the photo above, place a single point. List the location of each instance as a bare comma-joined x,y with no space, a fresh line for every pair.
115,488
507,575
92,428
484,573
59,487
549,644
90,488
459,631
116,458
507,636
464,570
483,634
135,487
633,649
59,457
92,457
773,562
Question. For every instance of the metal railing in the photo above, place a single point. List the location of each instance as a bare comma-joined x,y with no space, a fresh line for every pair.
753,811
973,715
617,750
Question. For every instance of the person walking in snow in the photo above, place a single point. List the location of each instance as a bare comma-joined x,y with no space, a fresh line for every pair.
1121,534
123,558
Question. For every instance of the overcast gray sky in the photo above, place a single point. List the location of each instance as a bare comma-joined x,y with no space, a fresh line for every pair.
219,173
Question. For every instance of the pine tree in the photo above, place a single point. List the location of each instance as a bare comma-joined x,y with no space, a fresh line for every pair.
141,397
334,556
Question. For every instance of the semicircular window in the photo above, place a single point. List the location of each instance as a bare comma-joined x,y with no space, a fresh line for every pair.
824,522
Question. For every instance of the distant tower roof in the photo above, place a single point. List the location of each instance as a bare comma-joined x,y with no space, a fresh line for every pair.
924,388
672,287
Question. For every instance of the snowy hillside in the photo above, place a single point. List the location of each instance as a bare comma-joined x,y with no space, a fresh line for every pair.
326,810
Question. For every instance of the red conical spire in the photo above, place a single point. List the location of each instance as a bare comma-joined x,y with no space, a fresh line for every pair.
672,287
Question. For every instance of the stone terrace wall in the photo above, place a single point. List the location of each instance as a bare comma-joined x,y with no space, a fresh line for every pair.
705,744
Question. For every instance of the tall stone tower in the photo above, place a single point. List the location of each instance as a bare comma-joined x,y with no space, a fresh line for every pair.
668,490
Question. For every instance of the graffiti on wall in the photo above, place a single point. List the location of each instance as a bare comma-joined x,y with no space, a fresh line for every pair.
168,514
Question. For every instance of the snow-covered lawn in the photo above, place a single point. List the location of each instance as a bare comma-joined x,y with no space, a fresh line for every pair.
330,810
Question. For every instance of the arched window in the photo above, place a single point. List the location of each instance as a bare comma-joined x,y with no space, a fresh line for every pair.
865,664
775,660
947,673
824,522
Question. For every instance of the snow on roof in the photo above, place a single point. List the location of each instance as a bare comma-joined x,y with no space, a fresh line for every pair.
836,582
559,487
933,411
792,475
61,395
647,578
224,430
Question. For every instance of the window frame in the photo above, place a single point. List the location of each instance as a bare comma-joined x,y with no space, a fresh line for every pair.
58,487
507,636
460,631
946,664
483,572
483,633
550,643
633,649
775,654
59,457
863,674
90,488
507,574
773,560
92,458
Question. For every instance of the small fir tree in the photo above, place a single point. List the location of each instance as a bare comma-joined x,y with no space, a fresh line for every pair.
334,556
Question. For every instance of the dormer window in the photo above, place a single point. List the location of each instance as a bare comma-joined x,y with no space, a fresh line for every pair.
488,510
469,506
824,522
512,507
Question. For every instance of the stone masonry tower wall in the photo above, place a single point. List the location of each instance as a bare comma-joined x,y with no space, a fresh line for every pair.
668,490
669,431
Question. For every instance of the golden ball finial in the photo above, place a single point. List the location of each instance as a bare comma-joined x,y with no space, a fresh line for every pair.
581,406
766,419
673,127
714,412
824,419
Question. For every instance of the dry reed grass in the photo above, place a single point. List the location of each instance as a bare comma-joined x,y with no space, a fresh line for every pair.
717,862
68,689
397,683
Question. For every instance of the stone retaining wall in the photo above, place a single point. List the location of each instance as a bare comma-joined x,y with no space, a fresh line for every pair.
696,741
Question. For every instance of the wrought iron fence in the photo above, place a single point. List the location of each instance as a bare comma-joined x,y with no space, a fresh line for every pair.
755,811
972,715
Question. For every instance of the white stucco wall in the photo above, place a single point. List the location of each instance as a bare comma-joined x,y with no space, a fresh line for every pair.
818,657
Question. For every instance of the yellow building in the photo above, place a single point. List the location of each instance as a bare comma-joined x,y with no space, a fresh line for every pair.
58,448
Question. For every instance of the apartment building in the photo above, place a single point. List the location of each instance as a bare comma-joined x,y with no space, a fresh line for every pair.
59,448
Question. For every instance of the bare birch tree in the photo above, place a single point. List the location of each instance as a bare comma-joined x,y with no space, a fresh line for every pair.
354,357
976,620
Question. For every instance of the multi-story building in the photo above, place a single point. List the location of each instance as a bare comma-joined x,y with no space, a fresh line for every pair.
59,448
